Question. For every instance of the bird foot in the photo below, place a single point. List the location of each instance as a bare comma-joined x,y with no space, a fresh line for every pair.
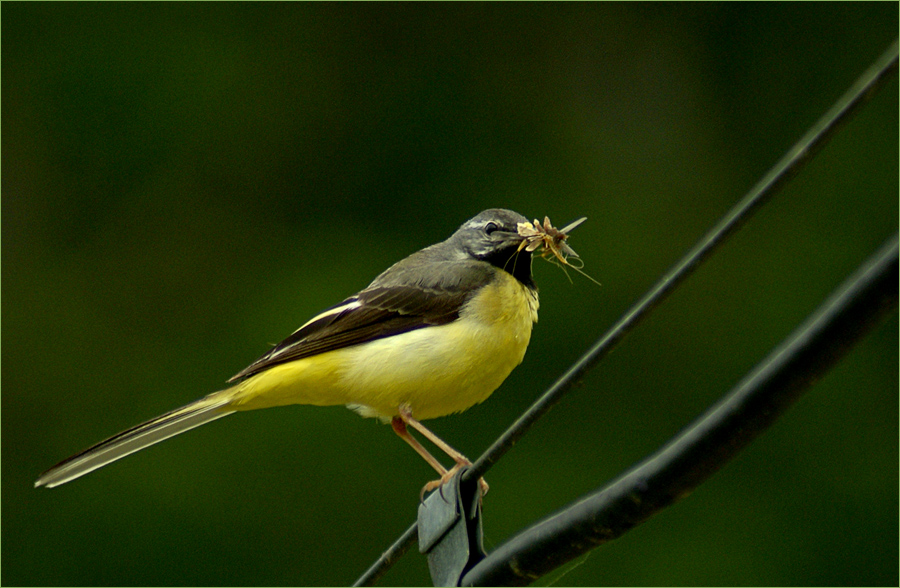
447,476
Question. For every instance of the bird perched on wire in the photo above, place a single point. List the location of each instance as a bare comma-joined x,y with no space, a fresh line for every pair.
433,335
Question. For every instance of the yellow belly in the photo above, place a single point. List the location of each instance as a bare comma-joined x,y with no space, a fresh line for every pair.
435,371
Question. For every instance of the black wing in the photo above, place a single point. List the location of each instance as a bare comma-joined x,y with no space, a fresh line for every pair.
401,299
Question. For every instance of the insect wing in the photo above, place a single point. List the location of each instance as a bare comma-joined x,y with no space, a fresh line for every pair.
569,227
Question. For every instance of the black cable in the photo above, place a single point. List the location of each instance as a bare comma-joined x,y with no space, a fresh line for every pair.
387,559
858,94
708,444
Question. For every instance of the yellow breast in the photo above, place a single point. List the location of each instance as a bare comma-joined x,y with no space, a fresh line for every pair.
436,371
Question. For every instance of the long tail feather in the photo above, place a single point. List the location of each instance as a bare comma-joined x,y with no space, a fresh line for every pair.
172,423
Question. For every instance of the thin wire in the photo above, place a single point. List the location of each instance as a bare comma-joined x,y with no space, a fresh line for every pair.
387,559
768,186
788,166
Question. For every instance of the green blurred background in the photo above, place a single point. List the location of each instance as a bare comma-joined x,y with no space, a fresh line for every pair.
184,184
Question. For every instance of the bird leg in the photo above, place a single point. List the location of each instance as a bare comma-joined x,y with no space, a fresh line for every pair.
399,423
400,428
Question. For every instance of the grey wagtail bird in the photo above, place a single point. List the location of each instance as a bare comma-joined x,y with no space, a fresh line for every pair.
433,335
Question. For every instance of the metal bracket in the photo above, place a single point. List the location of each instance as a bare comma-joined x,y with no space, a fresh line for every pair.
450,530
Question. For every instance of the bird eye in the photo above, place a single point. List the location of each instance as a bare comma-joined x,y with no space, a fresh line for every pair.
490,228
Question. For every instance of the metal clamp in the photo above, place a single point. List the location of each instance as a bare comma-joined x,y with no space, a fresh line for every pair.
450,530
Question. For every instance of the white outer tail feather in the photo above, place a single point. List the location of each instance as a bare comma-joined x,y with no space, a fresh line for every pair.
207,409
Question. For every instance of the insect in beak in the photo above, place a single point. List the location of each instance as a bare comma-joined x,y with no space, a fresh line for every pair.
549,238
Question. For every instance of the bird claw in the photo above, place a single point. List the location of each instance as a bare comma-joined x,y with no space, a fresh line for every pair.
446,477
